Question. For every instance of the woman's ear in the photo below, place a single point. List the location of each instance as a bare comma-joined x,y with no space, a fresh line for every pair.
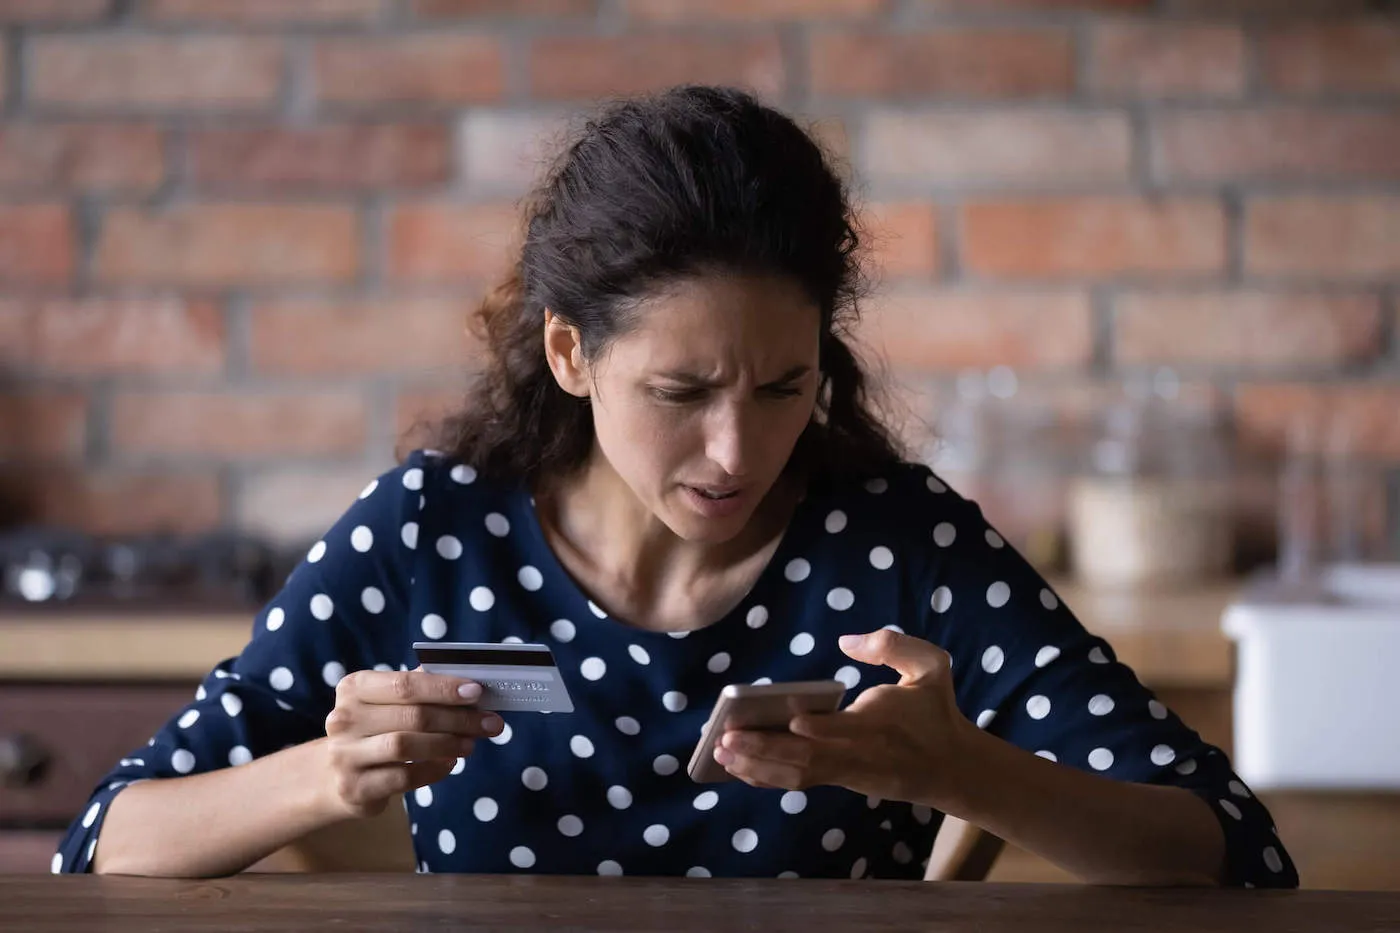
564,352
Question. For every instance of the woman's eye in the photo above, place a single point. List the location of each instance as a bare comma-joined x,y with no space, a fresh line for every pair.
677,395
784,391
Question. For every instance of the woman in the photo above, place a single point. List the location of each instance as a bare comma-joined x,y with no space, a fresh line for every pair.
670,474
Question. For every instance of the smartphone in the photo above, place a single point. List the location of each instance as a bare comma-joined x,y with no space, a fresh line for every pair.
764,707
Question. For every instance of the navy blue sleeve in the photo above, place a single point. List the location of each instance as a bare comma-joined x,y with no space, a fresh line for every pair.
336,613
1027,671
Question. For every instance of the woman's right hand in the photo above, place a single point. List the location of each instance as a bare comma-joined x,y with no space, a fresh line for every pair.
393,731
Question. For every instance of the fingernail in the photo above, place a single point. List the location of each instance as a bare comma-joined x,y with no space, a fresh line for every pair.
724,756
469,691
492,724
850,641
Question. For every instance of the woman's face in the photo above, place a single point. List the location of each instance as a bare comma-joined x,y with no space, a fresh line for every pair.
698,407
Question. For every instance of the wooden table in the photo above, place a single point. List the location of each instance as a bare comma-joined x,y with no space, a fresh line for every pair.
516,903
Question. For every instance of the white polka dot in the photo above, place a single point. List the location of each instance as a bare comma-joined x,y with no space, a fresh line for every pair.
284,706
423,796
992,659
369,490
619,797
1049,600
275,618
609,869
322,607
984,718
1271,859
563,630
1239,790
836,521
1186,767
232,703
942,599
280,678
498,524
449,548
745,840
1097,656
413,479
1157,710
239,755
1101,759
627,725
639,654
596,609
840,599
697,872
1048,756
56,863
802,644
530,578
190,718
665,765
481,598
675,701
762,680
877,485
504,737
384,667
372,599
718,663
922,813
362,539
522,857
593,668
677,635
881,558
994,539
581,746
463,474
447,842
91,816
706,801
858,869
1230,808
318,551
935,486
1163,755
833,839
944,534
1038,706
998,594
797,570
434,625
485,809
1101,704
182,760
1045,655
788,874
656,835
849,676
332,673
757,616
534,778
902,853
409,535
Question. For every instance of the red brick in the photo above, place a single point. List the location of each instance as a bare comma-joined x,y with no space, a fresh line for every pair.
431,69
1277,143
36,244
507,152
53,11
257,12
340,156
903,237
1319,57
1097,236
515,9
690,11
238,426
1266,413
1320,235
42,424
228,244
446,241
1247,328
298,505
362,337
81,157
1018,147
106,336
121,502
952,63
166,72
584,67
1162,60
419,411
925,328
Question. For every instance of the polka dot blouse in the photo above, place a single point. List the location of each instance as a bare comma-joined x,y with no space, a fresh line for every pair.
431,551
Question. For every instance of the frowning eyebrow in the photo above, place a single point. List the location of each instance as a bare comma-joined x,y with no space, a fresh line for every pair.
700,382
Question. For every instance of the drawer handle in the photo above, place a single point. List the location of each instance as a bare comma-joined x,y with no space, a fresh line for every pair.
22,760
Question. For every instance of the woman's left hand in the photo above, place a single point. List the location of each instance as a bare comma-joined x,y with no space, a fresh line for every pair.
902,741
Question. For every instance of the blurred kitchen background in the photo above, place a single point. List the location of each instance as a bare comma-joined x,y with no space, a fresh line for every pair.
1137,290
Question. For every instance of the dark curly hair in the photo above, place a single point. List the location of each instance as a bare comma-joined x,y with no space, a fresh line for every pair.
682,183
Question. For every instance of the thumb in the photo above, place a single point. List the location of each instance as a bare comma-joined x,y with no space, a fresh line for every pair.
913,658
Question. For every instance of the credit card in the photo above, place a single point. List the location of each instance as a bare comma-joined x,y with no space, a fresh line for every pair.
513,678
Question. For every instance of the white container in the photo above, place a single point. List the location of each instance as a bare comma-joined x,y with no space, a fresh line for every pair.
1317,685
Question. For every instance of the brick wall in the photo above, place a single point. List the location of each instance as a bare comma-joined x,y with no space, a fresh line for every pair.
239,238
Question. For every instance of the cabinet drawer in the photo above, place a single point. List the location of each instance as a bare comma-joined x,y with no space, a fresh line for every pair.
78,732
